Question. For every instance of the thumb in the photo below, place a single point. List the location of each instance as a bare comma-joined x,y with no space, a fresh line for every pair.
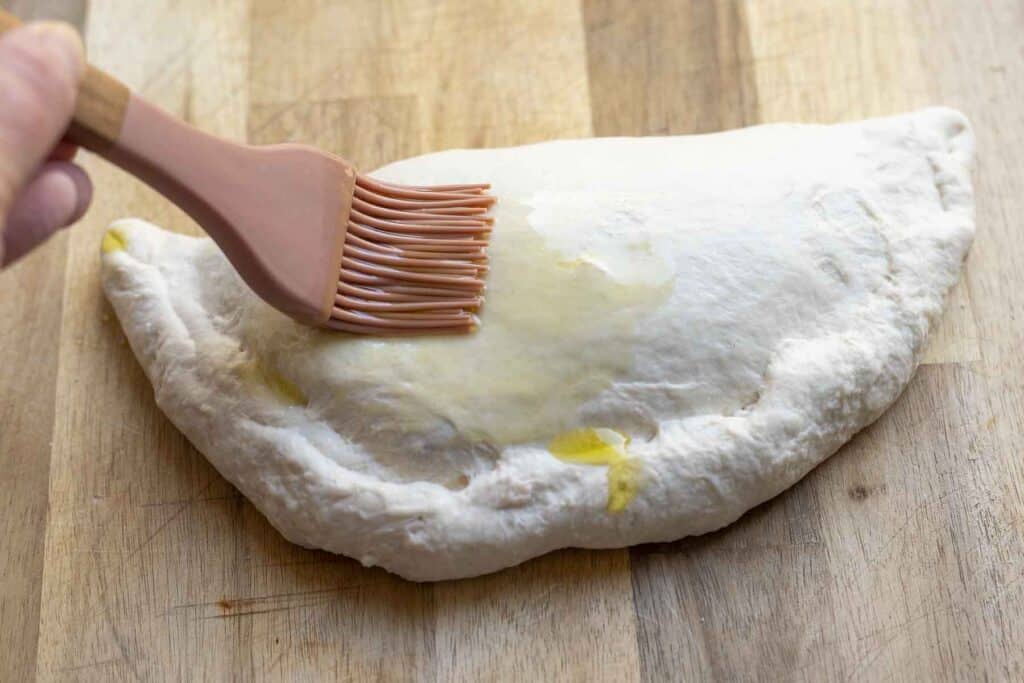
41,66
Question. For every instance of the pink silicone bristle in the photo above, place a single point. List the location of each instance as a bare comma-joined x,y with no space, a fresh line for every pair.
384,237
379,211
413,259
349,303
365,329
424,321
424,200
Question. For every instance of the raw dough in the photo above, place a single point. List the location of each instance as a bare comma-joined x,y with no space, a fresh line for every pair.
676,330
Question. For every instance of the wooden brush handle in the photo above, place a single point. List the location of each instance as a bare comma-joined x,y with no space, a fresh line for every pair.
100,108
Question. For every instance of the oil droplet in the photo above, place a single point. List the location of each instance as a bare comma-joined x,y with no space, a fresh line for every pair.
589,446
113,240
606,447
623,483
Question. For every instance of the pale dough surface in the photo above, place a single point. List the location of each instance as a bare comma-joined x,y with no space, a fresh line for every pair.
716,313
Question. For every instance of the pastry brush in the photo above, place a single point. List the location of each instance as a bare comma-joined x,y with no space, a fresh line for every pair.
314,238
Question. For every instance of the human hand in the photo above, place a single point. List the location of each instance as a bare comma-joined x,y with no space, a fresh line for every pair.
41,190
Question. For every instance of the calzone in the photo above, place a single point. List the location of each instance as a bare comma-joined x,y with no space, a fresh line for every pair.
675,330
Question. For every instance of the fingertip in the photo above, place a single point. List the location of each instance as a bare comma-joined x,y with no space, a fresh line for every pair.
51,199
55,198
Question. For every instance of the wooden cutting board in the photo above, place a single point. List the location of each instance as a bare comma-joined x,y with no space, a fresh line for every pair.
125,555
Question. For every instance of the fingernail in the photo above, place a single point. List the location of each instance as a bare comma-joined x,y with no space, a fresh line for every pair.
63,39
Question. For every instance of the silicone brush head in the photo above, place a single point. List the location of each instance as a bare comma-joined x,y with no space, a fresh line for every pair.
413,259
312,237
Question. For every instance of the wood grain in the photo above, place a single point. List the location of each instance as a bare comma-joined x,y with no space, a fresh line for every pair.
661,68
881,564
126,556
132,536
27,389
